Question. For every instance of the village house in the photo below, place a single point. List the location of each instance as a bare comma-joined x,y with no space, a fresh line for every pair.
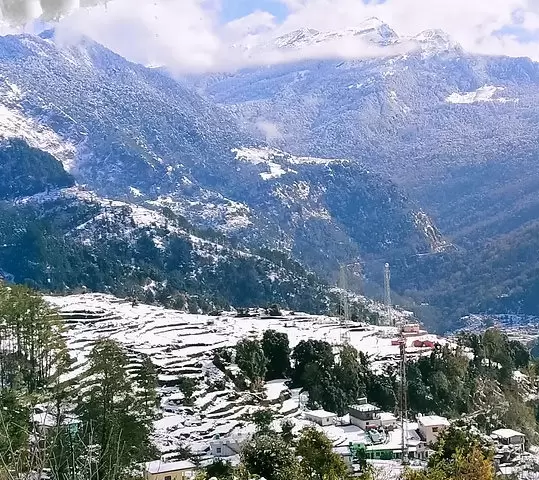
222,447
364,415
430,427
159,470
511,438
321,417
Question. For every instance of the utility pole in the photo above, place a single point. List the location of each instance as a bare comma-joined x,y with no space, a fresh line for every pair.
403,399
387,294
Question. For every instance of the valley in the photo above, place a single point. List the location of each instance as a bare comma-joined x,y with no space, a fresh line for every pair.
314,257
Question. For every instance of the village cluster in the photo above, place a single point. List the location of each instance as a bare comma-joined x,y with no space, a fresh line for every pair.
365,431
217,425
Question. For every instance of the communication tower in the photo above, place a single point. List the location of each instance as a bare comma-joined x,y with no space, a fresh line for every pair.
387,294
403,404
344,307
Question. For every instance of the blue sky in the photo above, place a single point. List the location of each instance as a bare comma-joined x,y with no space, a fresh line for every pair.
233,9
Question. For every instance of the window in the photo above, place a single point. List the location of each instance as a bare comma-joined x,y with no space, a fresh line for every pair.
434,429
168,477
218,450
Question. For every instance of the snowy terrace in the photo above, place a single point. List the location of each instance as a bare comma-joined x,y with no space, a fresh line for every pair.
183,344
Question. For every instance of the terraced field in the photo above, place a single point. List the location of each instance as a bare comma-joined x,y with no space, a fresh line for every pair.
184,344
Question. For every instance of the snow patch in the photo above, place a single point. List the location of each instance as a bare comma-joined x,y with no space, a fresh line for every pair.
482,94
136,192
13,124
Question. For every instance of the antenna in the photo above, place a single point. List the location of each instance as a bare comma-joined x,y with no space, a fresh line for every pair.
403,399
387,293
345,307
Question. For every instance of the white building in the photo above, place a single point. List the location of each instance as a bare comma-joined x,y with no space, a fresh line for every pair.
222,447
159,470
506,436
365,416
430,427
321,417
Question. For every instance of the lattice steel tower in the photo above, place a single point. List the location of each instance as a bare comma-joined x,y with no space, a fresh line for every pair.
345,307
403,399
387,294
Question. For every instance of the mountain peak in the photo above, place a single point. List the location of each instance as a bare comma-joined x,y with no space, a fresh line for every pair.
436,39
298,37
372,23
372,30
375,30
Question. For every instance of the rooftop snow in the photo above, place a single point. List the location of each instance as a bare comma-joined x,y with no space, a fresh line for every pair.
433,421
320,414
507,433
158,466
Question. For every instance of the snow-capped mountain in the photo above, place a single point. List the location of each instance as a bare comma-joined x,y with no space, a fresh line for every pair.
412,114
135,136
371,30
455,129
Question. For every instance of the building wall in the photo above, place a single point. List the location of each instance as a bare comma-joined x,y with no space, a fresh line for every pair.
364,424
226,447
516,440
177,475
323,421
431,433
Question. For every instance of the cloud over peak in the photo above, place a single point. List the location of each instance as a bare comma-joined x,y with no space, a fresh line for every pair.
189,35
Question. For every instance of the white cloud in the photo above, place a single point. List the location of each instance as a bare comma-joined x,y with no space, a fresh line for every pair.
180,34
17,13
186,35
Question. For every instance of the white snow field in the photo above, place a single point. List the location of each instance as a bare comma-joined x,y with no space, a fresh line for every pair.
183,344
482,94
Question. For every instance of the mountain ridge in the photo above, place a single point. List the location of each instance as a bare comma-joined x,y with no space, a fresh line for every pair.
136,136
453,129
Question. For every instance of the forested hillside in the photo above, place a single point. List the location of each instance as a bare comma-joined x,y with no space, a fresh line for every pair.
67,244
454,129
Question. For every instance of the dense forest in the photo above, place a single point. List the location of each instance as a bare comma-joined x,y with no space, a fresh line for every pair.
156,264
497,276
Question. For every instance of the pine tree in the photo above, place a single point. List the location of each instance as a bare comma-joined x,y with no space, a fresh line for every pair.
268,456
251,360
146,378
187,386
111,417
318,461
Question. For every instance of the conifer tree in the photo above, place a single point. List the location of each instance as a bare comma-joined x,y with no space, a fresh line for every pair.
146,378
277,351
251,359
111,415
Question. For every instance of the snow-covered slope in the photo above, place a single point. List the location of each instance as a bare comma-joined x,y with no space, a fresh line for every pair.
145,251
134,135
455,129
183,344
